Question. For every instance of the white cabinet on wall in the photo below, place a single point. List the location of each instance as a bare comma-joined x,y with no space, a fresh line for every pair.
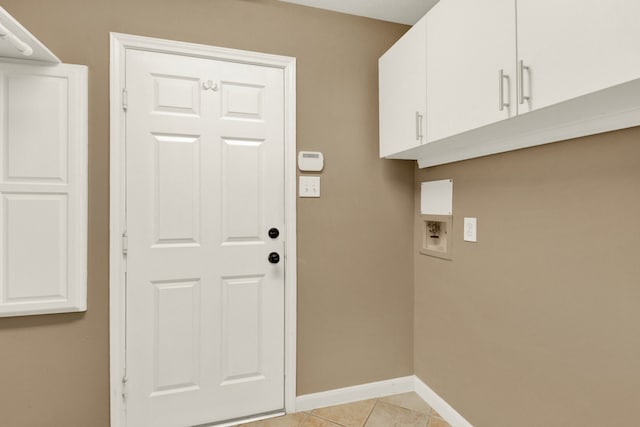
509,74
470,65
575,47
43,188
402,89
516,56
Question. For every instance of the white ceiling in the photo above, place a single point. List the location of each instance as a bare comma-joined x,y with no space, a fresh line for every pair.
401,11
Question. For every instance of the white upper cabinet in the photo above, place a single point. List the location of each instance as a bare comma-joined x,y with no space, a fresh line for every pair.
470,65
576,47
508,74
402,89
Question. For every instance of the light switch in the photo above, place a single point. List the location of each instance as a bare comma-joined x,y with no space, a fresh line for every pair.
309,186
470,229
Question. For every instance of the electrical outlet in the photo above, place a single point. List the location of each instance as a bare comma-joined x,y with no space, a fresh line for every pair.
471,229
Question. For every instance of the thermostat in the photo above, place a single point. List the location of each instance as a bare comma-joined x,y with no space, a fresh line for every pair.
310,161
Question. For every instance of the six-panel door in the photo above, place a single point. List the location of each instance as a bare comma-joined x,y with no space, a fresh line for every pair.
205,181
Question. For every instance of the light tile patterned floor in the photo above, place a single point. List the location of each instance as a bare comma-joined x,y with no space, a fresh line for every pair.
400,410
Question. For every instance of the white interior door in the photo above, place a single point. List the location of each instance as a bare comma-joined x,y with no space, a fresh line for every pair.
205,183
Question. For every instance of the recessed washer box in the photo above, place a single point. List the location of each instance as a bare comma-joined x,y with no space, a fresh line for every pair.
436,209
436,236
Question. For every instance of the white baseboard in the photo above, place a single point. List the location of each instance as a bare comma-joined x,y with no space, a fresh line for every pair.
445,410
339,396
374,390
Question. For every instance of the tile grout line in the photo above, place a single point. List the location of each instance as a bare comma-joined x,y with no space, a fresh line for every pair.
325,419
304,420
428,414
342,425
370,412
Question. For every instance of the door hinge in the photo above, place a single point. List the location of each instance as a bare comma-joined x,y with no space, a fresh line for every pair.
125,99
125,243
124,387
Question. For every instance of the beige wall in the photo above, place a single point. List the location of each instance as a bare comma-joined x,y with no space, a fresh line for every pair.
536,324
354,252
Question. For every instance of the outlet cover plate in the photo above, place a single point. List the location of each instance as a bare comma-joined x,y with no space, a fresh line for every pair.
470,229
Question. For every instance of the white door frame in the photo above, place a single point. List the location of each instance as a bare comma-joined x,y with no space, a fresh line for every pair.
117,215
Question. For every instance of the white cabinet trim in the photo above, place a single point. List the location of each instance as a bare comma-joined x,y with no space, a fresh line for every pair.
34,49
603,111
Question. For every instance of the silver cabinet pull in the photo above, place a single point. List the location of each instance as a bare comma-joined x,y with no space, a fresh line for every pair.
501,78
521,96
418,126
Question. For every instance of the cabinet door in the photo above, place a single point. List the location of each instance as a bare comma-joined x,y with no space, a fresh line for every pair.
575,47
402,89
43,189
468,43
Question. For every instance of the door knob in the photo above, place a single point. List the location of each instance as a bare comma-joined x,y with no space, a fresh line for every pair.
274,233
274,258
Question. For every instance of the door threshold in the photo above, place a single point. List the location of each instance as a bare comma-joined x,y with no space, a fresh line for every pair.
236,421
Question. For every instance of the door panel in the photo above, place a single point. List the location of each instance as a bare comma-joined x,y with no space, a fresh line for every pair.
242,190
176,336
176,94
242,101
205,181
176,214
241,351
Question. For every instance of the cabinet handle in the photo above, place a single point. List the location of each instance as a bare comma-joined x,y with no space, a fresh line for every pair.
501,78
418,126
521,96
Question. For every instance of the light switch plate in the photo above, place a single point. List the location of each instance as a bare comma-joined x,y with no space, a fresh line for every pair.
309,186
470,229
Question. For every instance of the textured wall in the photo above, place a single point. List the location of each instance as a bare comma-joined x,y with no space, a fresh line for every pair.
354,244
536,324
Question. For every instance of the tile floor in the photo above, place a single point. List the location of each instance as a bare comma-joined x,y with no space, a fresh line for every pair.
400,410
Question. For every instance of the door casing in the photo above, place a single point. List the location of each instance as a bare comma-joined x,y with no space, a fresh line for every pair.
117,215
